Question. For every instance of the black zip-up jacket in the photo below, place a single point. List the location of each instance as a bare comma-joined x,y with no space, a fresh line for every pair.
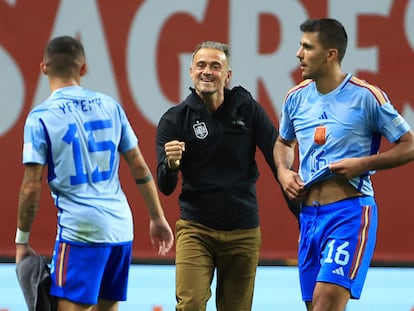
218,165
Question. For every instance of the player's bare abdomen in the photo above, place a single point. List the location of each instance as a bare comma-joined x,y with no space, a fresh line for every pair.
329,191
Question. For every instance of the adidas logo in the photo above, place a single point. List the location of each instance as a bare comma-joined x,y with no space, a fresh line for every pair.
338,271
323,116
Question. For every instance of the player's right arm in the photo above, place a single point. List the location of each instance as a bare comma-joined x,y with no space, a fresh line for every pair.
28,204
290,181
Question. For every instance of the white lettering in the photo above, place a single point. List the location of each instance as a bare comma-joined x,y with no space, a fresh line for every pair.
142,52
11,2
185,79
12,91
273,69
347,13
85,24
409,23
408,113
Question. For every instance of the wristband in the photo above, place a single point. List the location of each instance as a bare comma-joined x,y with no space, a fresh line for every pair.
22,237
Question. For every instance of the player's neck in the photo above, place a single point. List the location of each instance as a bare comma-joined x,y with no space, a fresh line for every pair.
58,83
330,82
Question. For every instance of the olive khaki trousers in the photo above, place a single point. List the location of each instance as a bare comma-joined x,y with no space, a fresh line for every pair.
202,251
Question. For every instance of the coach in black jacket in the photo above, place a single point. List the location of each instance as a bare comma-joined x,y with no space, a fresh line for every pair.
211,137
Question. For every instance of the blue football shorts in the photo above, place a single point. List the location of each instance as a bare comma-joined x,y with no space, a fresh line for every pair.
84,274
336,244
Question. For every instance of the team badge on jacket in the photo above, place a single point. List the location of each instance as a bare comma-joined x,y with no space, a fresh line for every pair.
200,130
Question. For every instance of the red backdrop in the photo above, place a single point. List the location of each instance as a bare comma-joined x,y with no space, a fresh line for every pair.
138,52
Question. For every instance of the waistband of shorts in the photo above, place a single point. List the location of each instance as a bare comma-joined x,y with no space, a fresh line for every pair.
362,200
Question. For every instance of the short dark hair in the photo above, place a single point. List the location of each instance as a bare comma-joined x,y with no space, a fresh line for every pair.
214,45
331,33
63,56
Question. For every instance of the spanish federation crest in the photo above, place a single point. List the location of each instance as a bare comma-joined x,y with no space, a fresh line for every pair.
200,130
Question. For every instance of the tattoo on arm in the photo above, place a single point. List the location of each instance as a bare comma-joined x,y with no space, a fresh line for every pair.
144,180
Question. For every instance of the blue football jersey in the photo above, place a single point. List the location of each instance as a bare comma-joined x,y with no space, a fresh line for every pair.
347,122
79,135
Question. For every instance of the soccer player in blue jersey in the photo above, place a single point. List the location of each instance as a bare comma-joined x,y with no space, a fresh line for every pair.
337,121
79,135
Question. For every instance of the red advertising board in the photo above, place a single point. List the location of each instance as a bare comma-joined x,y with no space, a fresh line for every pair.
139,52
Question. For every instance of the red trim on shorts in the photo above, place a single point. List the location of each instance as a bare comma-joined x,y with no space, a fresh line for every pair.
362,241
62,263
